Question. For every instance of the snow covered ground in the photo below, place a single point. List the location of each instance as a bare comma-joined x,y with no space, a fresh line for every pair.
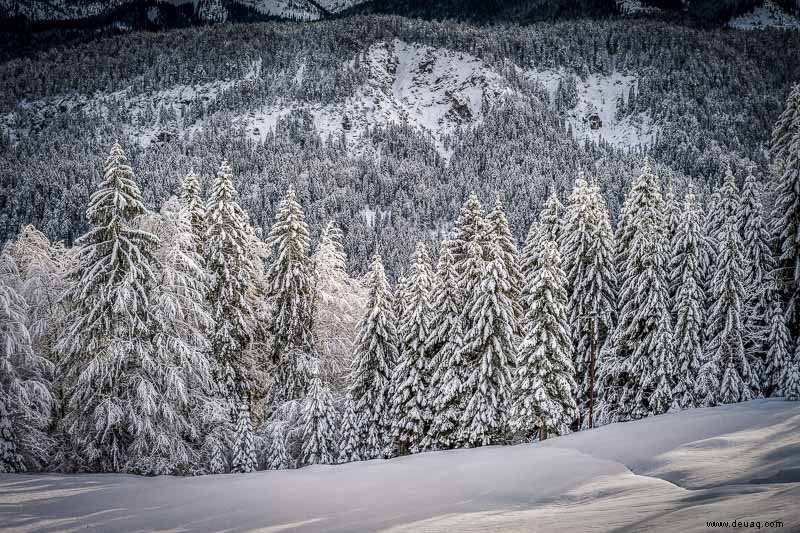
668,473
767,16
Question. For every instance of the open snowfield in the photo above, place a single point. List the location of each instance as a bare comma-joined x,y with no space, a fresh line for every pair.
669,473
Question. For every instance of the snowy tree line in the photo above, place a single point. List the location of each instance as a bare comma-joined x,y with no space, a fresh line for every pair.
187,342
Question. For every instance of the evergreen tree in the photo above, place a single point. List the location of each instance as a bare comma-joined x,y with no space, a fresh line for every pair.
319,424
244,449
374,358
549,227
230,298
471,226
446,367
500,234
193,202
643,339
410,411
25,396
348,441
111,381
291,295
791,379
588,246
778,344
545,379
725,376
276,456
489,348
402,295
688,269
337,308
786,210
760,264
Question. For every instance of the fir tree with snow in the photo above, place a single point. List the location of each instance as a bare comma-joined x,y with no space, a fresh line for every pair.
348,434
548,227
471,225
337,308
111,382
374,358
545,378
778,344
726,376
688,268
290,288
230,294
244,448
193,202
588,255
643,339
320,421
410,411
786,208
276,456
446,366
791,379
26,399
489,349
181,321
500,234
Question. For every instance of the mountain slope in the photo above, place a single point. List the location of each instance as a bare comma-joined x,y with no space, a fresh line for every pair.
665,473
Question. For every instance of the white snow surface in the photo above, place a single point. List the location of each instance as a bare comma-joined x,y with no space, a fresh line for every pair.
668,473
767,16
597,94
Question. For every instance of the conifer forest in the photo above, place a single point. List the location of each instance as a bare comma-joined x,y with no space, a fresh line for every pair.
516,265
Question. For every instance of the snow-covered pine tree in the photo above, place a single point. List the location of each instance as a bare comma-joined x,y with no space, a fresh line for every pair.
786,209
338,306
791,379
688,268
26,399
193,201
588,255
374,358
181,321
643,338
107,371
725,376
545,378
232,271
320,421
244,448
410,411
500,234
276,456
400,302
786,127
778,343
290,287
548,227
760,264
446,367
349,447
489,347
672,209
470,226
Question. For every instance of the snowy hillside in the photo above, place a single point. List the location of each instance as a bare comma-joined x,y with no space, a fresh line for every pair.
765,17
668,473
434,90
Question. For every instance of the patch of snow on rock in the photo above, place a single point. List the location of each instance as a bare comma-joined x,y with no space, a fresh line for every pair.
597,99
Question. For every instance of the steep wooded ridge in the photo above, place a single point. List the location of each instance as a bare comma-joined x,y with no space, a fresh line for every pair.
387,123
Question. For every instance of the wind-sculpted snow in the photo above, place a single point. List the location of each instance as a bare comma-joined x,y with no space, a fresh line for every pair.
672,472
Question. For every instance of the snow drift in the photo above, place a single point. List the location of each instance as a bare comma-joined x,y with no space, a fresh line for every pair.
674,472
